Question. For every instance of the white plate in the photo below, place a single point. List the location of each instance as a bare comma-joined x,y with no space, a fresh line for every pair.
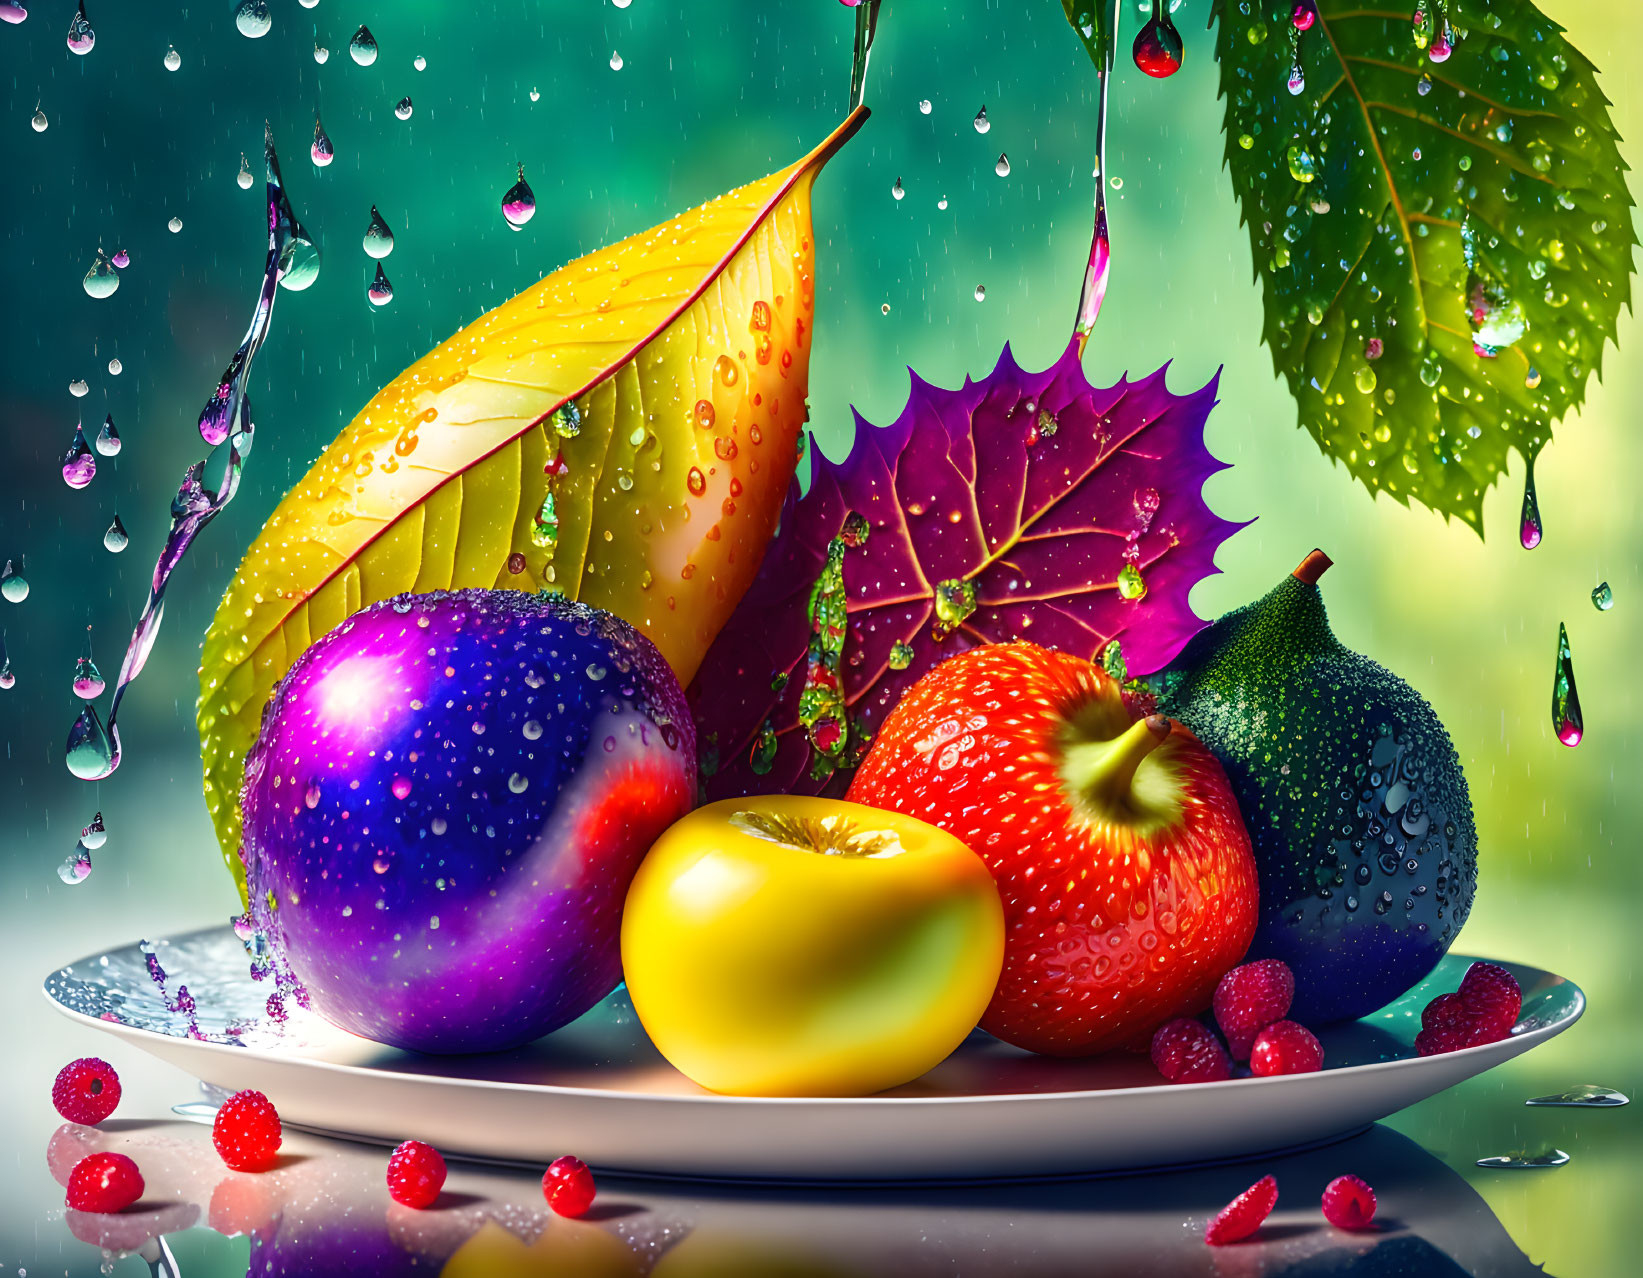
598,1086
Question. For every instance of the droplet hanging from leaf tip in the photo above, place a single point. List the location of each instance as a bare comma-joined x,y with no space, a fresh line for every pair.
1567,721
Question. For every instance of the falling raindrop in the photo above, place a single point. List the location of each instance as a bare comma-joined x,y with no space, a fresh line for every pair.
115,368
420,62
108,439
38,121
363,47
621,4
1002,168
981,293
95,834
322,55
76,867
615,61
1566,718
14,587
403,109
924,106
1530,529
379,240
116,538
1602,597
898,190
536,95
78,387
251,18
380,291
308,4
173,59
244,177
1588,1095
942,202
121,259
174,225
321,151
79,463
1157,48
88,680
88,753
519,204
101,280
982,122
80,35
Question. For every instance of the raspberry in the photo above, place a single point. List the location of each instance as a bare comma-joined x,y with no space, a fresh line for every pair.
1285,1047
568,1186
1445,1012
1349,1203
416,1173
1492,998
104,1183
1243,1215
246,1132
1435,1042
86,1090
1251,997
1184,1051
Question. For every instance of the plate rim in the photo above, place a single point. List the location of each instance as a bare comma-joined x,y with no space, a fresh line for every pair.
1518,1043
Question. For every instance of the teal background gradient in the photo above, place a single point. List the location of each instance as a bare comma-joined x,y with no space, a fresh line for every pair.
711,96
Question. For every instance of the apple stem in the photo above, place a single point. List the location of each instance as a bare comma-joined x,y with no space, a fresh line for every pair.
1313,567
1101,772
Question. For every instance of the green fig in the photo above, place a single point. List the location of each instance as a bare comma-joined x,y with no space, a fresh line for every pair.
1352,792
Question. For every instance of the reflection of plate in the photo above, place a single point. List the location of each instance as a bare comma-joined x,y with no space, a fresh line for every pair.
599,1088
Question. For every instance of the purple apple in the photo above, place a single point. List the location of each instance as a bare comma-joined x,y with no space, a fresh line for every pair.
444,807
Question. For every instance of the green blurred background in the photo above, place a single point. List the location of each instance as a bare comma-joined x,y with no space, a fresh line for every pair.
710,96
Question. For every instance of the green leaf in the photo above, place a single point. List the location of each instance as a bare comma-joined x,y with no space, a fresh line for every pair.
1427,205
1089,19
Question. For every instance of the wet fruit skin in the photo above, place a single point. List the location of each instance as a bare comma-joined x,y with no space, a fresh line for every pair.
104,1182
1244,1214
247,1132
86,1090
788,945
445,804
1123,865
1354,798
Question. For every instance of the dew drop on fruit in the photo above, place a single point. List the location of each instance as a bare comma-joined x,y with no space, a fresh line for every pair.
108,439
79,463
363,47
80,35
14,587
321,151
102,279
379,240
1530,529
116,538
380,291
982,122
251,18
1566,718
519,204
88,753
1302,167
1602,597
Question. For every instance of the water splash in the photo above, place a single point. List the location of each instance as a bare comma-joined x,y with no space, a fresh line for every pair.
1530,528
14,587
207,486
102,279
867,26
81,37
363,47
1566,717
108,439
1586,1095
79,462
1157,49
116,539
380,292
519,204
379,240
1602,597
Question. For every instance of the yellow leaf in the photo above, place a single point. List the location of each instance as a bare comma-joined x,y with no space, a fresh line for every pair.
651,394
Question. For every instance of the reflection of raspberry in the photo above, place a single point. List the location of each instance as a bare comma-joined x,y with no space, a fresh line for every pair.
246,1132
1184,1051
104,1183
1243,1215
1349,1203
416,1173
86,1090
568,1186
1285,1047
1249,998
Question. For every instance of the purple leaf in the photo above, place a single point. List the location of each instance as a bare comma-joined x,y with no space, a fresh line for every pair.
1023,506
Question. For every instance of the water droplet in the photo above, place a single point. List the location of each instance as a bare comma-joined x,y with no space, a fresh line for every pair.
533,729
102,279
884,309
545,527
14,587
1602,597
1002,168
311,796
76,867
88,680
942,202
321,152
80,35
251,18
38,121
924,106
725,368
1589,1095
1364,379
1131,584
981,293
901,655
1566,718
596,672
172,59
115,368
108,439
403,108
898,191
322,55
1530,529
955,601
379,240
78,388
79,463
696,481
244,177
566,420
1518,1161
1157,48
95,834
518,784
88,753
1302,167
615,61
420,62
379,290
982,122
1497,320
519,204
363,47
401,787
300,262
116,538
174,225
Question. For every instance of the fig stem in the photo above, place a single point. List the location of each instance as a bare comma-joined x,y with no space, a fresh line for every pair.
1101,773
1313,567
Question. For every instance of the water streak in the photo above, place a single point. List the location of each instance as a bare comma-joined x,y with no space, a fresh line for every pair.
1100,44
